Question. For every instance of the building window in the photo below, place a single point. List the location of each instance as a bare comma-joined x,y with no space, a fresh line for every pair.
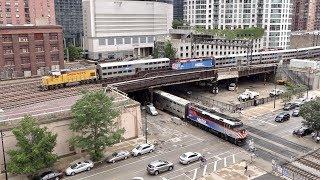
127,40
38,36
102,42
9,62
7,38
54,48
119,41
40,58
25,60
24,49
7,50
55,57
23,39
143,40
39,48
110,41
135,40
53,36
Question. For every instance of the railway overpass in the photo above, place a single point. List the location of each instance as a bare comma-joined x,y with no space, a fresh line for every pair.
181,77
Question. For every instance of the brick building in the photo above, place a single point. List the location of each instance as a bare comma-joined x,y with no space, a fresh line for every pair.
19,12
30,50
303,39
306,15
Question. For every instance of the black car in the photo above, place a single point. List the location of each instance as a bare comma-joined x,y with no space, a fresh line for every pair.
302,131
49,175
284,116
289,106
296,112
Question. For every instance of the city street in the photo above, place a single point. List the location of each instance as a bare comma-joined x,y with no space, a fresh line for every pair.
274,141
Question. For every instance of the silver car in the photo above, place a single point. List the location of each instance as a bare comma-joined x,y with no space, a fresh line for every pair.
117,156
189,157
86,165
142,149
159,166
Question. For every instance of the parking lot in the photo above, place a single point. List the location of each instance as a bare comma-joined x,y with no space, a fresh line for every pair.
231,97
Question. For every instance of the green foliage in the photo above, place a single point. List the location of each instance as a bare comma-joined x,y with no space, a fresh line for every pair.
34,148
94,123
310,111
169,51
286,96
156,53
293,90
176,23
74,52
248,33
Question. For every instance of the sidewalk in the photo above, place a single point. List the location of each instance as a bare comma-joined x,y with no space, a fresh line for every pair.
64,162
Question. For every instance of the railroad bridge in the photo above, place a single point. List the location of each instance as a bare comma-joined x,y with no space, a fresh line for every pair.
181,77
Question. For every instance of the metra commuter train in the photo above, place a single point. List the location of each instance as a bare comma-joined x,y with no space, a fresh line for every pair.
131,68
221,125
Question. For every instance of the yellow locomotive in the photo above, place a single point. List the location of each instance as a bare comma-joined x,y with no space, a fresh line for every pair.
62,78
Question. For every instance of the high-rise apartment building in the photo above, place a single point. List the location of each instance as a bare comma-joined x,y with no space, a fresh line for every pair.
124,29
19,12
272,15
306,15
178,9
69,16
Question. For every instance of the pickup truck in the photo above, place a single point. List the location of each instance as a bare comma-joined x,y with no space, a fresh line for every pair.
275,92
248,95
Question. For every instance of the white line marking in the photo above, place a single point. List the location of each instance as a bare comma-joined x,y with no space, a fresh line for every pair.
195,174
225,162
215,166
233,158
204,170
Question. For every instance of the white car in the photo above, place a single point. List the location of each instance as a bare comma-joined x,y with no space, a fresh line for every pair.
142,149
232,87
189,157
86,165
248,95
276,92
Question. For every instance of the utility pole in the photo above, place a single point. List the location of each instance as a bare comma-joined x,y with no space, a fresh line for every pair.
3,154
309,69
275,87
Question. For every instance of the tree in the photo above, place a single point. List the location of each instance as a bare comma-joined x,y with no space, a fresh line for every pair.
169,51
34,148
310,111
286,96
94,123
176,24
74,52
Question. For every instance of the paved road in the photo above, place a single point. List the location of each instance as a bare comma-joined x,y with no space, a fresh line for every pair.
273,141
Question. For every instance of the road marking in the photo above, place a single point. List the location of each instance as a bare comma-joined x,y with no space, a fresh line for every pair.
225,162
233,158
204,170
148,157
195,174
215,166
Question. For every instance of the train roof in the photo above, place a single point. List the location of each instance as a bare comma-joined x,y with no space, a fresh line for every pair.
174,98
141,61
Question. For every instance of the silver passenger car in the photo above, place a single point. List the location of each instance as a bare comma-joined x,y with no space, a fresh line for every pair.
127,68
117,156
159,166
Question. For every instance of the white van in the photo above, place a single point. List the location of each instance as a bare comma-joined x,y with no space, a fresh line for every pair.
151,110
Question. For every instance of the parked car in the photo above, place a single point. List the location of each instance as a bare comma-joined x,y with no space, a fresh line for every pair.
142,149
296,112
289,106
117,156
276,92
188,157
248,95
232,87
159,166
49,175
316,136
151,110
283,116
86,165
302,131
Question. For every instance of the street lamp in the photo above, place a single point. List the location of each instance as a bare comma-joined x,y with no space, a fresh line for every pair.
146,127
275,86
3,154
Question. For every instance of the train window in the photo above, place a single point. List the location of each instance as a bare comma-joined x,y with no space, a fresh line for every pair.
104,73
130,71
109,73
109,67
104,68
114,67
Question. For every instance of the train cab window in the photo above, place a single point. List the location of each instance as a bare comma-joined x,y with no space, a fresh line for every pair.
130,71
109,73
92,74
104,73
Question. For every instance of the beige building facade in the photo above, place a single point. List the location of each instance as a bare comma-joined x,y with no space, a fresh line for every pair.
58,123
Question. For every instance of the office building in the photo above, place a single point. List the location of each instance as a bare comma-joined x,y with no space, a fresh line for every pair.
20,12
30,50
178,9
69,16
273,16
124,29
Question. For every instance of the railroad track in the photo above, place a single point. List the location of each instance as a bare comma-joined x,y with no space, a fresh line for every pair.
27,98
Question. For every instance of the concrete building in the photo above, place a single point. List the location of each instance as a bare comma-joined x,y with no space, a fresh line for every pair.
183,45
56,117
19,12
306,15
30,50
303,39
273,16
121,29
178,9
69,16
